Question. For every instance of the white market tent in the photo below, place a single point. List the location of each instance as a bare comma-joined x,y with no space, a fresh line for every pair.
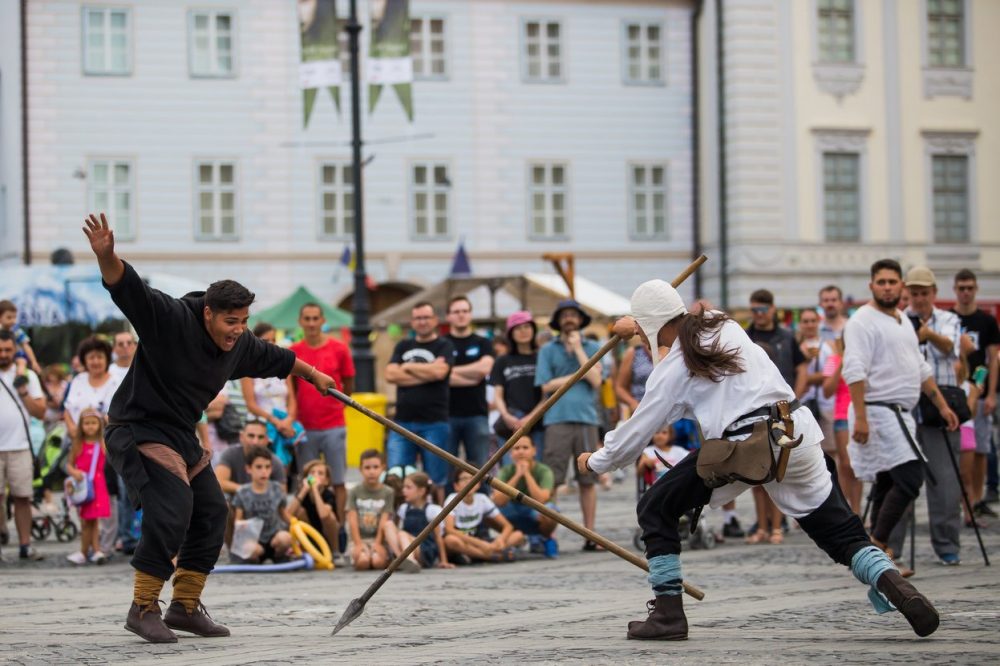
494,298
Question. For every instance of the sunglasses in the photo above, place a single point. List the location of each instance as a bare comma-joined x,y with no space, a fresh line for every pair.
760,309
965,288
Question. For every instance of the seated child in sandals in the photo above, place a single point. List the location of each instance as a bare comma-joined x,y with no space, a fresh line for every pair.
467,528
662,447
264,499
369,515
415,514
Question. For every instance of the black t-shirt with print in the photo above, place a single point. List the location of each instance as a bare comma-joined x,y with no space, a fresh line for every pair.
425,403
470,400
515,373
983,330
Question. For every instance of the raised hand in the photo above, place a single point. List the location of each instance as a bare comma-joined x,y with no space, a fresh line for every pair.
102,239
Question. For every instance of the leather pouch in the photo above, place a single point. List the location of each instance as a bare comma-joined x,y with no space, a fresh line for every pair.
722,461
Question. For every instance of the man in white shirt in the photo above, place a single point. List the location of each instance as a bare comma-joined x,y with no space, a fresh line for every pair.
886,373
713,373
20,397
124,349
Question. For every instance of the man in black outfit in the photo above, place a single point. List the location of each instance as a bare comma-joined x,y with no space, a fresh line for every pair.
467,408
189,348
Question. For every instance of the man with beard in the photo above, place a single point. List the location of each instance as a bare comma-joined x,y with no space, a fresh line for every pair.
189,348
832,303
886,373
571,423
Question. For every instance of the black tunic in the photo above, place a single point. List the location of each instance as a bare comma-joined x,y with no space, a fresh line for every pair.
177,370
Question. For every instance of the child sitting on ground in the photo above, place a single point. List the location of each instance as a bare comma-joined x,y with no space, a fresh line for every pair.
314,503
467,528
88,444
369,515
661,447
264,499
415,514
535,480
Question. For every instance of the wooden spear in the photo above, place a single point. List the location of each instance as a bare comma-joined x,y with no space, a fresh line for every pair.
357,606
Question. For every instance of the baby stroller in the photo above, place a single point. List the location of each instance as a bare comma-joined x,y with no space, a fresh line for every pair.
702,537
51,460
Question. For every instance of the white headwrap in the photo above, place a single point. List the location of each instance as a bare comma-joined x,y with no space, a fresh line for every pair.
655,303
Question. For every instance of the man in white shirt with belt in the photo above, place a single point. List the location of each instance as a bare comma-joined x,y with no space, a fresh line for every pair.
886,373
20,397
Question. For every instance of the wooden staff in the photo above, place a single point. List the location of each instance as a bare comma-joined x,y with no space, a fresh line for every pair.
357,606
508,490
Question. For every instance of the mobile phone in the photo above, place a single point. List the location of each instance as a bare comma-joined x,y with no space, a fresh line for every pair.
979,376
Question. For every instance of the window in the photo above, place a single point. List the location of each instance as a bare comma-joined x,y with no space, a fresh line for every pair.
950,175
336,200
543,51
427,48
945,33
216,201
110,189
836,31
429,188
547,196
106,41
841,197
643,49
211,43
648,200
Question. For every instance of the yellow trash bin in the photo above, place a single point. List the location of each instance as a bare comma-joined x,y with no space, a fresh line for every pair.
363,432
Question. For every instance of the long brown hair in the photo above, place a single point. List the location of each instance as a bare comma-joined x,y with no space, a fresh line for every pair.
711,362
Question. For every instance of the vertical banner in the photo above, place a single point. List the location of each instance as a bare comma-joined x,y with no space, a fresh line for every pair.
389,60
320,65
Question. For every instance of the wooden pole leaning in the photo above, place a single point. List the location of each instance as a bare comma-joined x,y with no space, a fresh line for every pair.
356,606
508,490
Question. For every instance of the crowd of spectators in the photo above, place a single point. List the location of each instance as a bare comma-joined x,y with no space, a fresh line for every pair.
280,454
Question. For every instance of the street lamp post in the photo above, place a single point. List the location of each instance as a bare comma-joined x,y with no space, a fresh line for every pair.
361,346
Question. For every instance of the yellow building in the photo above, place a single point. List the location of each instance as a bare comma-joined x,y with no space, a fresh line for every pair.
851,130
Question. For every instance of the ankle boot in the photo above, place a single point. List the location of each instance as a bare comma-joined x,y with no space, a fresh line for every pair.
147,622
666,621
915,607
197,621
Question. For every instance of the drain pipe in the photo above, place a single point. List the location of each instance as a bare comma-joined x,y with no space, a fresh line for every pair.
695,148
24,133
723,195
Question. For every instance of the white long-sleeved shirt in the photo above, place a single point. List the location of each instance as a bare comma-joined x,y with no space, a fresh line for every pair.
671,394
882,351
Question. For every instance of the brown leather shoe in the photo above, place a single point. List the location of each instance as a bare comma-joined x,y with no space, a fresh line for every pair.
666,621
196,622
915,607
147,623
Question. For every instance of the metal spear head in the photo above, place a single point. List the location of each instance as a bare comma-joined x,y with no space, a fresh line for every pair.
351,613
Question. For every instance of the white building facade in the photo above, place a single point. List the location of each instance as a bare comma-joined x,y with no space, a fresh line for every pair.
851,130
561,126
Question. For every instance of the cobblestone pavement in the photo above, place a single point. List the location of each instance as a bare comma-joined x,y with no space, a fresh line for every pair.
764,604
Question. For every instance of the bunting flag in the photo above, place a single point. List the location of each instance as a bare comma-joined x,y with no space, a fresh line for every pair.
320,65
389,61
347,259
460,266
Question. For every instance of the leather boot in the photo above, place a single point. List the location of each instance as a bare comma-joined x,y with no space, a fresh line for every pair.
147,622
666,621
915,607
197,621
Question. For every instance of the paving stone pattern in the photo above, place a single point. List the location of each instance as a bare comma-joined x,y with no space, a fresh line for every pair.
765,604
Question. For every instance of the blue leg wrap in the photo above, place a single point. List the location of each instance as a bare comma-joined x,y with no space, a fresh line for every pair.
665,575
867,565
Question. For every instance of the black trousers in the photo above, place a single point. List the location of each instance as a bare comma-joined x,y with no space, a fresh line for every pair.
182,520
833,526
892,493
